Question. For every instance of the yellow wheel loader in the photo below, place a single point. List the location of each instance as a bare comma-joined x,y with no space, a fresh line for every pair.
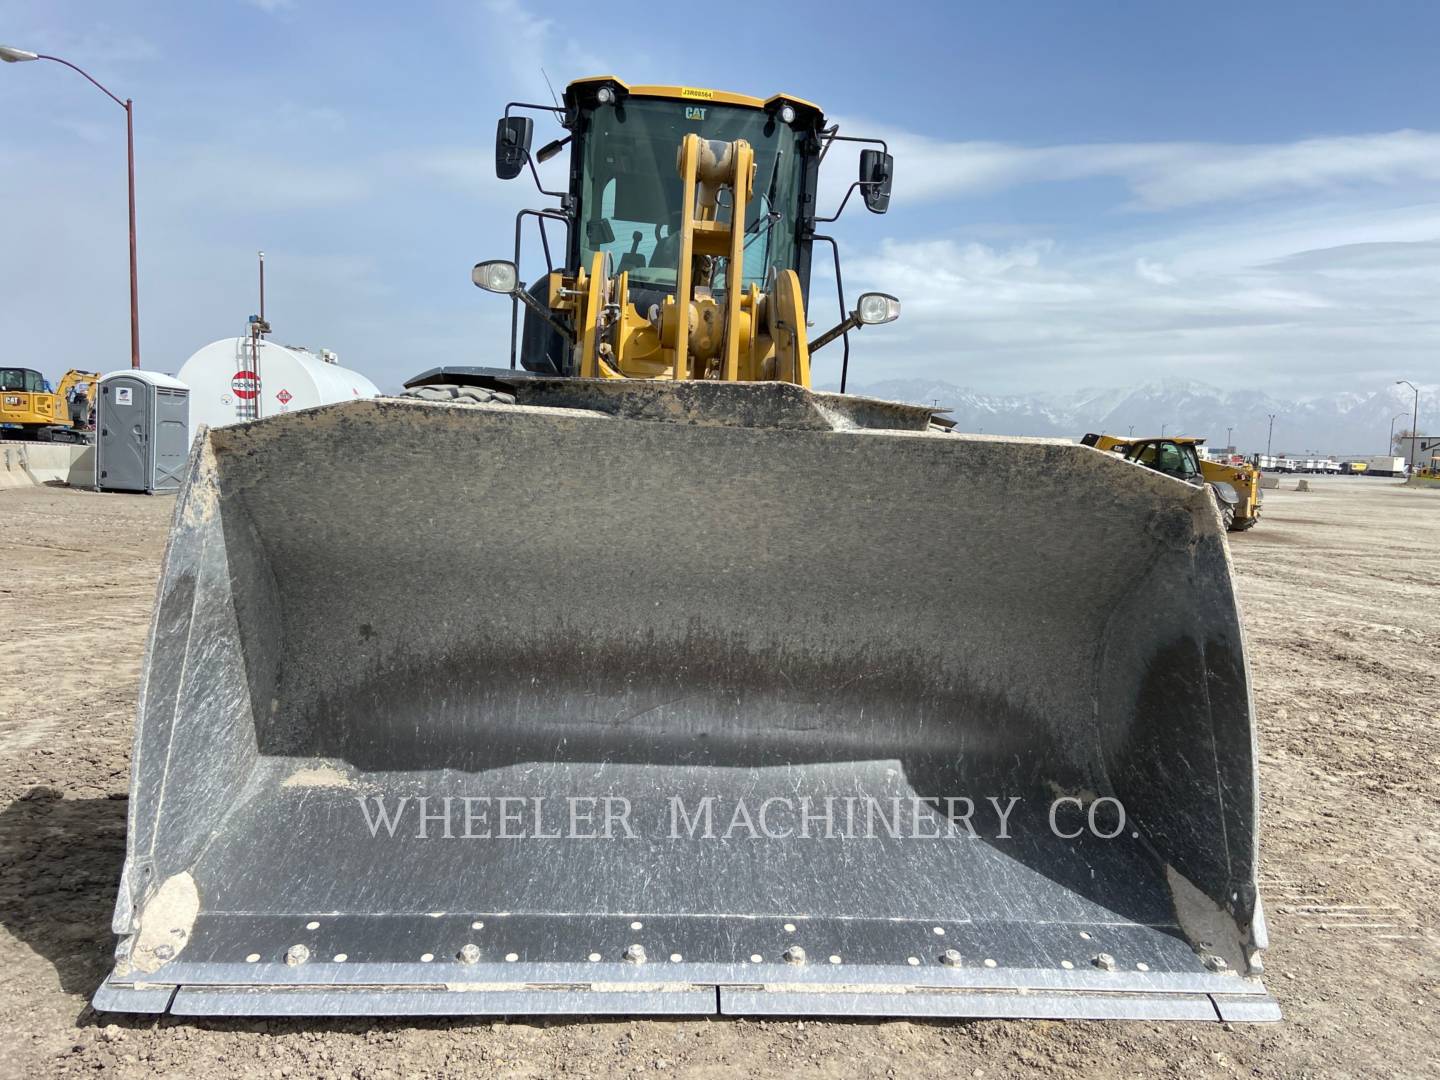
30,409
639,677
1236,487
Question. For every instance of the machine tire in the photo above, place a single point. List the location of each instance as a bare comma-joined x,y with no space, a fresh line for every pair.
1227,510
1244,524
460,395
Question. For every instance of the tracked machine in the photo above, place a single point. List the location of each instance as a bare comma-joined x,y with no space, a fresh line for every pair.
637,676
31,410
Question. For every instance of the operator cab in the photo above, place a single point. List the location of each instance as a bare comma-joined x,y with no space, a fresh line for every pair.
23,380
1169,457
622,208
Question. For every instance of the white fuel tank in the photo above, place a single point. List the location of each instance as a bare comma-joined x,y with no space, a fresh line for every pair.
232,382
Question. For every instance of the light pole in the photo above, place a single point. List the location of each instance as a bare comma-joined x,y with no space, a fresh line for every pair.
1228,443
1271,436
19,56
1132,431
1414,420
1162,428
1390,446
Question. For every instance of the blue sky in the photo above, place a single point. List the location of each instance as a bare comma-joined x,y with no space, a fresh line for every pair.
1087,194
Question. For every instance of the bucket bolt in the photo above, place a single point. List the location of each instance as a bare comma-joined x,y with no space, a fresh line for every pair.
950,958
469,953
1104,961
635,954
794,955
296,955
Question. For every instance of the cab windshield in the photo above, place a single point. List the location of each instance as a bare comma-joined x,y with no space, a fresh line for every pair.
630,199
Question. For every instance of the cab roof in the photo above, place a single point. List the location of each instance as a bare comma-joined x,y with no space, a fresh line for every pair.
696,93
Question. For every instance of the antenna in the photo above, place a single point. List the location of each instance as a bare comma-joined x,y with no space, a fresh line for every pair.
553,95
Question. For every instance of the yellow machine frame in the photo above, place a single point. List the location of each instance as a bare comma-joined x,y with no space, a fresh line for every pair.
38,412
1245,479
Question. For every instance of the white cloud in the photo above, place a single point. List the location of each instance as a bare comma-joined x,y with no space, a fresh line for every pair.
526,42
1161,175
1247,309
1153,272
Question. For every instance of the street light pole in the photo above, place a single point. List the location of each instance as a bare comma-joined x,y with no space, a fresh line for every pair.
1390,446
1414,421
20,56
1228,443
1270,437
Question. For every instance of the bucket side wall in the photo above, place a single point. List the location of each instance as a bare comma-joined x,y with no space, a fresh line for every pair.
208,679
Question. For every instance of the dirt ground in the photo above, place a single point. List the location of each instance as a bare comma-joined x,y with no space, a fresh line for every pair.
1341,593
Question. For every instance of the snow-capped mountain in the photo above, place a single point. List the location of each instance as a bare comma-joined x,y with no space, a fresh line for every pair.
1342,424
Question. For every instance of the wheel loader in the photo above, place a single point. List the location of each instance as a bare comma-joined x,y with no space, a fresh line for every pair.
1236,488
640,677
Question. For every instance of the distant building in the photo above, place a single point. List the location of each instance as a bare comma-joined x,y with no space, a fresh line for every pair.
1419,450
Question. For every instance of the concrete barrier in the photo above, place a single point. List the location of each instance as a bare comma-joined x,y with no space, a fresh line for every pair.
12,469
24,464
1270,483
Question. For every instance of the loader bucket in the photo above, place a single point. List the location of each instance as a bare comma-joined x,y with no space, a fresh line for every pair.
719,698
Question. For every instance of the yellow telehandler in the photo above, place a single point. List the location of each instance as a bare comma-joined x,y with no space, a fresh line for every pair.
639,677
1236,487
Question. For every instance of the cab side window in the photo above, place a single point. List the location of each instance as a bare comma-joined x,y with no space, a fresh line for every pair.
1175,461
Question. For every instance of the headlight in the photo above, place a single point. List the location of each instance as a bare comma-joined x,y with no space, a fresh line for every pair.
875,308
787,114
605,95
497,276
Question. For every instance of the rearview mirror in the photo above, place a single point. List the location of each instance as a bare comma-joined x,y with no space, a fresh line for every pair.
512,145
877,171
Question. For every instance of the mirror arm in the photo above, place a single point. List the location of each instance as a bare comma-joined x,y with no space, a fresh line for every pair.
851,322
853,185
829,135
884,147
841,209
530,160
558,110
523,295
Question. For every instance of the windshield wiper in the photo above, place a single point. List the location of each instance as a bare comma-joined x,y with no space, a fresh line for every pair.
772,192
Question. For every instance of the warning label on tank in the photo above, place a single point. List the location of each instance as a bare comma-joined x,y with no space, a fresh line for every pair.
284,397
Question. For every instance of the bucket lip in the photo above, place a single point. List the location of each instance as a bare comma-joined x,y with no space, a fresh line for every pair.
772,988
